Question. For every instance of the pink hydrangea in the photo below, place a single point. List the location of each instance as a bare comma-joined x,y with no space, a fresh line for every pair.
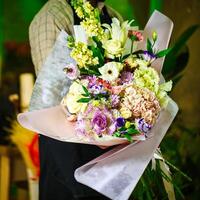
142,103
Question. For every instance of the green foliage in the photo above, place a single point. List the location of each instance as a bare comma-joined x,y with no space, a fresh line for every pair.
177,59
84,100
123,7
163,53
149,46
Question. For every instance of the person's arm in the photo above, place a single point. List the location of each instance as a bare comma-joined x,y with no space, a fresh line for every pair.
45,28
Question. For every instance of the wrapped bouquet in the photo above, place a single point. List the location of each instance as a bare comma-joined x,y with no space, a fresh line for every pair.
115,92
111,92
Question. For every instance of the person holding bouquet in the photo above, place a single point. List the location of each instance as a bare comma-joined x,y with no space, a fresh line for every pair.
58,160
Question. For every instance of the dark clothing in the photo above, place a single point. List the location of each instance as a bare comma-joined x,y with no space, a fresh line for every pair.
58,163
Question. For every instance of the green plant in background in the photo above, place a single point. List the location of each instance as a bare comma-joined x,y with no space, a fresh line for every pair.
177,59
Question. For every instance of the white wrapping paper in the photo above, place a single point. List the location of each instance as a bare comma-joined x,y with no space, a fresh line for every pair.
115,173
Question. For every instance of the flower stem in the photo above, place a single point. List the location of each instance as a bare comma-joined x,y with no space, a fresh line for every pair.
132,47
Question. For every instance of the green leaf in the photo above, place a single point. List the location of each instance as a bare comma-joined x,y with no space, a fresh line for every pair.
84,100
96,40
163,53
128,137
125,56
85,90
100,96
133,37
176,79
149,46
172,68
85,95
122,129
132,131
97,53
117,134
171,65
185,36
89,71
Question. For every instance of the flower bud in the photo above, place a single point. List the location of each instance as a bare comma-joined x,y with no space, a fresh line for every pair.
154,36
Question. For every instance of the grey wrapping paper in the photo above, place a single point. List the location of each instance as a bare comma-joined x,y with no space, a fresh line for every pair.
51,84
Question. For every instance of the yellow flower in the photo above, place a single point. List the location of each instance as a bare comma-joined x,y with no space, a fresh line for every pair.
127,124
79,12
125,112
93,27
95,103
88,8
83,56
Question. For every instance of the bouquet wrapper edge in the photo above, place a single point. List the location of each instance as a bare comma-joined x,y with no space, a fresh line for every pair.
121,171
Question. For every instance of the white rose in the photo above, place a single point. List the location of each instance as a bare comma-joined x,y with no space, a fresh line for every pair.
113,48
74,94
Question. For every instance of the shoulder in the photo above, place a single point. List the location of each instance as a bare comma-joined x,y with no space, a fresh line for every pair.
58,11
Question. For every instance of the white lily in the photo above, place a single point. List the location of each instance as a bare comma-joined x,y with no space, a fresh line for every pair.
118,31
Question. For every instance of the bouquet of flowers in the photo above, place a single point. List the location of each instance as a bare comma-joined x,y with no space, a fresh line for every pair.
111,92
115,92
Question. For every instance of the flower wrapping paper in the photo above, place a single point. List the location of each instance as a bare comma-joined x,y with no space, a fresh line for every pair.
115,173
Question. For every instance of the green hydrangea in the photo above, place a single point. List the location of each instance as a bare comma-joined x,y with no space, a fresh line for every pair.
147,77
162,93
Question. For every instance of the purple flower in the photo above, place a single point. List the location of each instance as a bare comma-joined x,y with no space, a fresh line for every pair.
72,71
96,89
99,122
95,120
114,100
80,126
92,81
143,126
126,77
120,121
149,57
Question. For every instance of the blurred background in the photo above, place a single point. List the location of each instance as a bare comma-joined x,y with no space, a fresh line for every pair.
19,151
